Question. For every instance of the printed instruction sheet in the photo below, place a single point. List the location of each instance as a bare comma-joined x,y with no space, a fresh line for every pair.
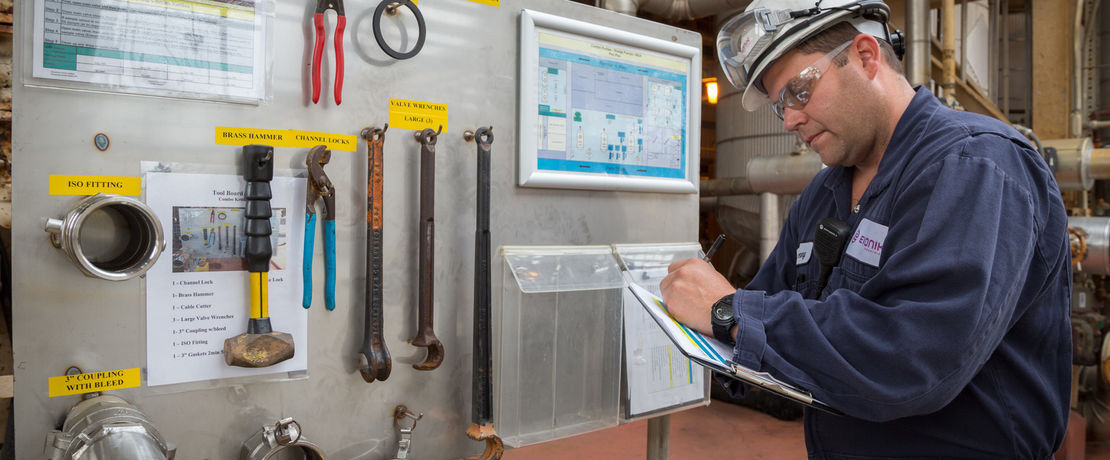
659,375
204,49
197,293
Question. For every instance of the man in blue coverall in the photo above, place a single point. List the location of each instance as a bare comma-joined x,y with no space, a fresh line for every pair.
943,329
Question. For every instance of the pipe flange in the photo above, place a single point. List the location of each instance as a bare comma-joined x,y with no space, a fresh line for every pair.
266,443
140,251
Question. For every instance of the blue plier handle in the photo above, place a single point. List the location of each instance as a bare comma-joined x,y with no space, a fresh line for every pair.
319,186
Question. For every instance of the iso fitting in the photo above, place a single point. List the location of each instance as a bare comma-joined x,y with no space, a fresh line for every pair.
110,237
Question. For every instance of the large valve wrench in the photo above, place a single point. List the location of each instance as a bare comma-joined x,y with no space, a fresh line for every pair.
481,406
425,337
374,361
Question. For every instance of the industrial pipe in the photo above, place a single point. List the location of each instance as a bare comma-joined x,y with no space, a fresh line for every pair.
948,49
917,33
106,427
1093,234
675,9
1079,163
780,174
770,224
1076,125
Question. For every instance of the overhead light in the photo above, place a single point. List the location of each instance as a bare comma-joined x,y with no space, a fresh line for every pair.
710,89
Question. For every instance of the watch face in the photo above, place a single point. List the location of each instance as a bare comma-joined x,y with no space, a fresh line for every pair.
722,312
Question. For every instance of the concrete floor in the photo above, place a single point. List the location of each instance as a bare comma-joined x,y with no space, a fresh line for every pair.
700,434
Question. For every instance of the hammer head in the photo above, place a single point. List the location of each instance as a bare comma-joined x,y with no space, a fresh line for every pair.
258,350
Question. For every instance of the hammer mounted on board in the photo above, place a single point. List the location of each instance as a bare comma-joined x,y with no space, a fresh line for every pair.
260,346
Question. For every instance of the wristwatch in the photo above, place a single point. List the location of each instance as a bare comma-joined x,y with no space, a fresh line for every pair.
723,320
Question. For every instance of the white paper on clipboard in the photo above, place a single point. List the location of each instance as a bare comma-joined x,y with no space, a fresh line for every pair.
713,354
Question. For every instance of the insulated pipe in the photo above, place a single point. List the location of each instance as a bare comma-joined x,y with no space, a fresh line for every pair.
782,174
1074,161
675,9
948,36
769,224
628,7
917,32
1075,128
1096,236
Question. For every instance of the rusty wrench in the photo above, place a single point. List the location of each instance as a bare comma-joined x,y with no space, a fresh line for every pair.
481,405
374,361
425,337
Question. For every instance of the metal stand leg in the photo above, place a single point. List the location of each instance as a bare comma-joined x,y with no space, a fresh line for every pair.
659,437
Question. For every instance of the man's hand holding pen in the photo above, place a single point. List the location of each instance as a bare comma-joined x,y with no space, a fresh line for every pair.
690,289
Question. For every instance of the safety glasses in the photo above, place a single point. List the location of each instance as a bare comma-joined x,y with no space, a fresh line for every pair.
796,92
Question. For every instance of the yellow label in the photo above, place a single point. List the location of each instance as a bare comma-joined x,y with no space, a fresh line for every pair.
65,385
91,185
417,115
285,138
488,2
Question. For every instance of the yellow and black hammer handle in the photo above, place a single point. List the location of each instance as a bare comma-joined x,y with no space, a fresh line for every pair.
258,170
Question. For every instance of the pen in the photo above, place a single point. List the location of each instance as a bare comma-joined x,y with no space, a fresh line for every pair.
714,247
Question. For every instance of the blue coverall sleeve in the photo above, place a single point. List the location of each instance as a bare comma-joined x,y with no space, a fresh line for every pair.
907,338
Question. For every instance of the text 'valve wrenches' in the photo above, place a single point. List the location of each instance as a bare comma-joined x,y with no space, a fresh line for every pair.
319,188
260,346
425,337
374,361
481,410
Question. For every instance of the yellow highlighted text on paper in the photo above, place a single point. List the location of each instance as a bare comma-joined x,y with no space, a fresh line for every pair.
417,115
65,385
90,185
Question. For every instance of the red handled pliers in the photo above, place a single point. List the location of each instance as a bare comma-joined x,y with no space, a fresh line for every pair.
318,50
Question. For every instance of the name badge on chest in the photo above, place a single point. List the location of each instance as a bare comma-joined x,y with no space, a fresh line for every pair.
805,251
866,244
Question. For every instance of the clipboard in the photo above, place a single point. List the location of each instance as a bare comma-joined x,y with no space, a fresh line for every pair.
711,353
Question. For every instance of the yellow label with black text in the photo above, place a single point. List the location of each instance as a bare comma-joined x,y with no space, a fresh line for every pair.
91,185
65,385
285,138
417,115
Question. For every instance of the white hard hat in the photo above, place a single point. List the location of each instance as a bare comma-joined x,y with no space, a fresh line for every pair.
750,42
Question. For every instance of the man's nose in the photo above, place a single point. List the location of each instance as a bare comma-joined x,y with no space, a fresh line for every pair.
792,118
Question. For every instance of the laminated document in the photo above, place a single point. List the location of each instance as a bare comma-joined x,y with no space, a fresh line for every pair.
713,354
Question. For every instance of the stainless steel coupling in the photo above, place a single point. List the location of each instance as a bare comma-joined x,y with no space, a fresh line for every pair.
107,427
284,435
110,237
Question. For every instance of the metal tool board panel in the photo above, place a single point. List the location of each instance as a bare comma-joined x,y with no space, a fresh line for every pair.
470,63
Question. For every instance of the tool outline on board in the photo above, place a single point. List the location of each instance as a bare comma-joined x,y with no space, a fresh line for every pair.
319,188
318,48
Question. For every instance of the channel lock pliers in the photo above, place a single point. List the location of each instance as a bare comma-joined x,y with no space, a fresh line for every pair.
319,186
318,50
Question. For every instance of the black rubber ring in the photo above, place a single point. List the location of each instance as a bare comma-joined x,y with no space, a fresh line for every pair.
378,28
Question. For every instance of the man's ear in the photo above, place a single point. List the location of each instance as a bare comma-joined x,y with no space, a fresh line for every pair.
870,55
